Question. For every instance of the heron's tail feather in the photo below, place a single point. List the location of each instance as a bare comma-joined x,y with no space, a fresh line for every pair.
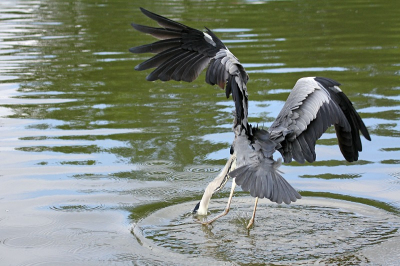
264,181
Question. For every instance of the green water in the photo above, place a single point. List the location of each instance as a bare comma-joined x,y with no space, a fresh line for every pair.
88,148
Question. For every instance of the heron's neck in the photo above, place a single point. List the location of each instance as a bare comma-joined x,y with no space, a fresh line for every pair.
205,200
217,184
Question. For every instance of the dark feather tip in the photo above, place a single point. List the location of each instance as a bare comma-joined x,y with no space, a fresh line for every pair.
327,82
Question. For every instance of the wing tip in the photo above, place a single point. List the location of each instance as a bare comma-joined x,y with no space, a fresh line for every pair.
148,13
134,50
139,27
327,82
145,11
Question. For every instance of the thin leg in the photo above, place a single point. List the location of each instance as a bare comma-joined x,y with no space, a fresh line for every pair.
225,212
254,214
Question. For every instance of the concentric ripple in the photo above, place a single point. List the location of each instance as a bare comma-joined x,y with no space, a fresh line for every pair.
27,242
313,230
78,208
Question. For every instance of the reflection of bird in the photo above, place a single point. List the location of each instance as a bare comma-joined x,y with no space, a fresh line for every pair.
314,104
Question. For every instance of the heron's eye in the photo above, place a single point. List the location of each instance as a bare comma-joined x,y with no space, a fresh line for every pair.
196,208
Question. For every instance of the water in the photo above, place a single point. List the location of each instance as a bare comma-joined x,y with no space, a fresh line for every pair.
100,167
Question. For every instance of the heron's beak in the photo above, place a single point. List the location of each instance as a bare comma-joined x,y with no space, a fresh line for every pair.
196,208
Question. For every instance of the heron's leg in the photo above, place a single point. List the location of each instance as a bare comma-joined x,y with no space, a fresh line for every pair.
254,214
225,212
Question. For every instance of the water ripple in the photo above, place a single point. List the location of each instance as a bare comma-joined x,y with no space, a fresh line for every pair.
78,208
314,230
203,169
157,163
297,69
33,241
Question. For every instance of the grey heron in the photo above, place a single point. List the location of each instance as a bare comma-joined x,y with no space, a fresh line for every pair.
313,105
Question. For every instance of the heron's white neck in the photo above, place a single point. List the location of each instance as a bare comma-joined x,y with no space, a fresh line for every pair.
217,184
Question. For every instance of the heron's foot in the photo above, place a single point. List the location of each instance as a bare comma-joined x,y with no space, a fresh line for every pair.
225,212
251,222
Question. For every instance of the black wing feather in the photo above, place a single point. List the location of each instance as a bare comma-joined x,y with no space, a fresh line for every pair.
163,21
158,59
159,33
156,47
173,64
184,52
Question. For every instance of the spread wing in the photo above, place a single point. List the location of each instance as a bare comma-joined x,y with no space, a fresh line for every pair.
313,105
183,53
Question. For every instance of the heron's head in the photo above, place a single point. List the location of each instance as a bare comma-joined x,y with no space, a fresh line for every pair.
196,208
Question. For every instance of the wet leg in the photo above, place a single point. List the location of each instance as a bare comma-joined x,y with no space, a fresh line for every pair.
254,214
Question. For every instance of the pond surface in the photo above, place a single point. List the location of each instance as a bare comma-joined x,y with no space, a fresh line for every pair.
100,167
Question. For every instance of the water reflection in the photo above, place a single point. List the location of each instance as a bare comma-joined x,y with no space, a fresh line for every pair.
88,147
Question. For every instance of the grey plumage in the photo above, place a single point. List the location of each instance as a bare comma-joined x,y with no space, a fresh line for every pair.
314,104
256,170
